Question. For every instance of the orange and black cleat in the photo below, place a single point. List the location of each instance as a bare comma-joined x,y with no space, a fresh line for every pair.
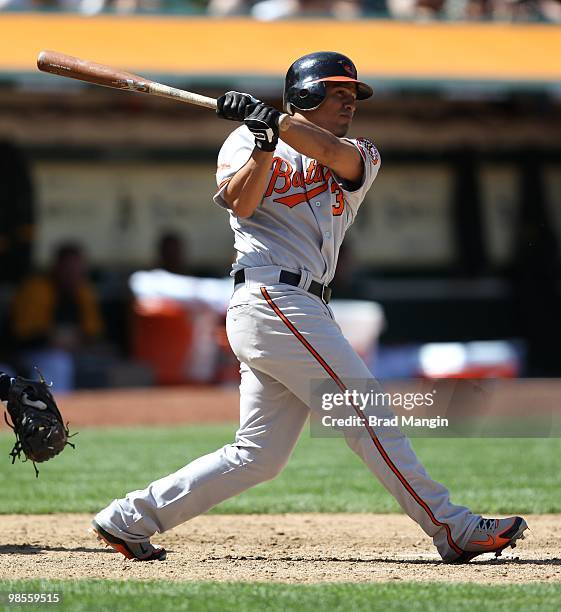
141,551
492,536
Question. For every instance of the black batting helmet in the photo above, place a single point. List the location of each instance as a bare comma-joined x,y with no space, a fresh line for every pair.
304,85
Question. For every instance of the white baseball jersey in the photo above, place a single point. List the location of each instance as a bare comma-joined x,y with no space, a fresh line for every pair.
305,212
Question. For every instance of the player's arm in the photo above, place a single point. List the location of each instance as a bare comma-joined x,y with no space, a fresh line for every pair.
245,189
306,137
334,153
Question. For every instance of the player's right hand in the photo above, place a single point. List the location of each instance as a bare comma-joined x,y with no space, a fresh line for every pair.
235,106
263,123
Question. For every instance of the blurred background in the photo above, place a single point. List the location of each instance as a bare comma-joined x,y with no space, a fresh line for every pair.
113,257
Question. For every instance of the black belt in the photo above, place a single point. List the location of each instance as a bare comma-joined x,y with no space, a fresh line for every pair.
292,278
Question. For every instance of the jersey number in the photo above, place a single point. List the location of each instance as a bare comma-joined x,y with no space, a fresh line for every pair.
339,205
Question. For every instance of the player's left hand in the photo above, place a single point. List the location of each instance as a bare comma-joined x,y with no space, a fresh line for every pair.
263,123
234,105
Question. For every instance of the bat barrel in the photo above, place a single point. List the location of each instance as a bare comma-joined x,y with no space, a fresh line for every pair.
83,70
71,67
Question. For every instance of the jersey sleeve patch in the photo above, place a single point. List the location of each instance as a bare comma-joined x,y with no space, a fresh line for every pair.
369,150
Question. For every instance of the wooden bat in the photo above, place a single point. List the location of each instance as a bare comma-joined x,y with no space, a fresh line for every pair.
99,74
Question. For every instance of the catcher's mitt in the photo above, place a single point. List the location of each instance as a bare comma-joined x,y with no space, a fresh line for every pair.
36,420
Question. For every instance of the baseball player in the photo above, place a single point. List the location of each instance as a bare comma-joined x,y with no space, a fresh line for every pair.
290,201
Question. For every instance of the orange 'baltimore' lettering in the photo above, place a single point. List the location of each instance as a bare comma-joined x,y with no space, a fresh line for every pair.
278,172
298,179
310,171
318,174
282,173
302,196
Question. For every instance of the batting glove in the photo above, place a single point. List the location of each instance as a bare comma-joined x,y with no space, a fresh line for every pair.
263,123
234,105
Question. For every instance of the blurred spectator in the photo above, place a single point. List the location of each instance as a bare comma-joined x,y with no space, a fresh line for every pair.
86,7
472,9
171,255
224,8
499,10
175,317
55,316
37,5
514,10
551,10
410,9
128,6
269,10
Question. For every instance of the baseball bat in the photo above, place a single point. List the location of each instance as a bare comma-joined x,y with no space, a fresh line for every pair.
106,76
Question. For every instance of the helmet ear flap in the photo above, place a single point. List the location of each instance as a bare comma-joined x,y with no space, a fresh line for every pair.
304,96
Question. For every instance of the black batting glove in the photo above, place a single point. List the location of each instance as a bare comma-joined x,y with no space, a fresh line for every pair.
234,105
263,123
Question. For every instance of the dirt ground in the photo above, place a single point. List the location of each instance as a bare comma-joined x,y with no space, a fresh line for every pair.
150,406
295,548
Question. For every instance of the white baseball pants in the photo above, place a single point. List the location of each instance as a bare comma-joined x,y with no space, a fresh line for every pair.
285,338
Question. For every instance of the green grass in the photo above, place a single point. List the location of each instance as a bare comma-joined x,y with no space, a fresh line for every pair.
139,596
489,475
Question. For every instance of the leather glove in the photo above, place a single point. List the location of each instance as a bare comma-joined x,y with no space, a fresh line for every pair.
234,105
263,123
40,431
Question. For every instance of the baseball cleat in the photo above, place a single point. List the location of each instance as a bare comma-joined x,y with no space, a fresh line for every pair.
493,535
141,551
